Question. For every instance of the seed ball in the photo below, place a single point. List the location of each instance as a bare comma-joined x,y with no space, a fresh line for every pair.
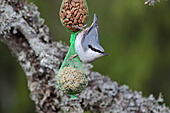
72,80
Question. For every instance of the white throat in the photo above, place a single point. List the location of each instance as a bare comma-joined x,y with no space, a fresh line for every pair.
87,56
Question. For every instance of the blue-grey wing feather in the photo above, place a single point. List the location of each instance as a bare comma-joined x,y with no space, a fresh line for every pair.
91,37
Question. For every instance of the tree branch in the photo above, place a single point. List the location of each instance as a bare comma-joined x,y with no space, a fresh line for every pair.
22,29
151,2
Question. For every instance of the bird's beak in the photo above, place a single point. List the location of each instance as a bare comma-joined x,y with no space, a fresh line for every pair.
105,54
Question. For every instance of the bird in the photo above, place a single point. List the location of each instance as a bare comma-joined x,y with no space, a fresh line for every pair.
87,43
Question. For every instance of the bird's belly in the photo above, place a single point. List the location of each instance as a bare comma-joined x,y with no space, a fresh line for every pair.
83,55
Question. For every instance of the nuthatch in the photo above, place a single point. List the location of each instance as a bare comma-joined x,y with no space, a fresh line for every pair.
87,43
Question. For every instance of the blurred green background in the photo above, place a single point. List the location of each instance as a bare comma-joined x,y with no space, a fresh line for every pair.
136,36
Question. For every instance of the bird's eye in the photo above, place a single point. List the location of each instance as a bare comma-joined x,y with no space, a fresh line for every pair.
94,49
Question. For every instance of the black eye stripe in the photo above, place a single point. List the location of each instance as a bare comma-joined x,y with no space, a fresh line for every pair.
96,50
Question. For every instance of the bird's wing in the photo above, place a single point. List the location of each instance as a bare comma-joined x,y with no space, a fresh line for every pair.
91,36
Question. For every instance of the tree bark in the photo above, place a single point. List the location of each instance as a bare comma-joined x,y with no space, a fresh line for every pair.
25,33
